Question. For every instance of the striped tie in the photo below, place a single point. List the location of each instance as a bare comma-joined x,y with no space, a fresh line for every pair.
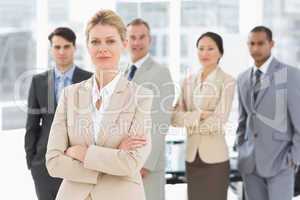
257,85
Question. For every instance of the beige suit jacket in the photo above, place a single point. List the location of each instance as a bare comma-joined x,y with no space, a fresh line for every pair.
206,136
106,173
158,79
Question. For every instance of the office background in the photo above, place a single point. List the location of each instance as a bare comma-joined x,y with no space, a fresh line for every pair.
175,25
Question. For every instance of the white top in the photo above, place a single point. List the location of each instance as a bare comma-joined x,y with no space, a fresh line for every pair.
105,95
141,61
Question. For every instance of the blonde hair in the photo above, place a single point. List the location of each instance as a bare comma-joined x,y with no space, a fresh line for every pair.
106,17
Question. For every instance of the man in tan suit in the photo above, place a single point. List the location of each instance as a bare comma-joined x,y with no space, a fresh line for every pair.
145,71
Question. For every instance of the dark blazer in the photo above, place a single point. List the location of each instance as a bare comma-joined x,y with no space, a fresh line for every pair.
41,108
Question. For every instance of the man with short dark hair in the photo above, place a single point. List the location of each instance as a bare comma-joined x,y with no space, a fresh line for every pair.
145,71
43,97
268,134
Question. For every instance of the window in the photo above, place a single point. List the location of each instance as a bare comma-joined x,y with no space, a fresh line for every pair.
283,18
201,16
157,15
17,58
165,46
59,14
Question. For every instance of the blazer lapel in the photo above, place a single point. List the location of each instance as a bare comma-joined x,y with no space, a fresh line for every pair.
76,75
126,71
85,108
52,103
142,71
266,82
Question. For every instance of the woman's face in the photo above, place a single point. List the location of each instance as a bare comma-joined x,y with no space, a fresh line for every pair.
208,52
105,47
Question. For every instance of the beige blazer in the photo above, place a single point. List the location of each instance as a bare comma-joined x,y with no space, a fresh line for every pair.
157,78
106,173
206,136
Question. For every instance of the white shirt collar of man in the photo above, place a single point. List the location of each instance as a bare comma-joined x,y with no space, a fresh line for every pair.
106,92
141,61
264,68
69,73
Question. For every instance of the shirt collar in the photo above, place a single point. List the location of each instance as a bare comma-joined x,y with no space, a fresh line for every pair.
264,68
141,61
68,73
211,76
106,91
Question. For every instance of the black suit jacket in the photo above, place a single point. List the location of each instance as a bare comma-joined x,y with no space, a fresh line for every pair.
41,109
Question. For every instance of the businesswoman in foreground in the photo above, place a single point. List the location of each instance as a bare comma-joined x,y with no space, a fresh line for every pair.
88,144
203,108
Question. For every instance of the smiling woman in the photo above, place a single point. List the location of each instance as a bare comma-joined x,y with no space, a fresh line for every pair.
99,139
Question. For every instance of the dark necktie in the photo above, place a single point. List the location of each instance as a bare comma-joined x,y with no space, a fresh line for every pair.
132,71
257,85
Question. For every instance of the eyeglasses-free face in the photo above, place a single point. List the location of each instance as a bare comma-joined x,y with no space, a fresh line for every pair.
62,51
208,52
105,47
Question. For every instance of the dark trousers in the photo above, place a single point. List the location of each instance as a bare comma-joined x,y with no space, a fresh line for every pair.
46,187
297,183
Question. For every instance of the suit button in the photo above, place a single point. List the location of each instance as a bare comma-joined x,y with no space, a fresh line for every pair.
255,135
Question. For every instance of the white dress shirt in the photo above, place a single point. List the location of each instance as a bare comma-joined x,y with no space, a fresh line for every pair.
105,95
141,61
264,68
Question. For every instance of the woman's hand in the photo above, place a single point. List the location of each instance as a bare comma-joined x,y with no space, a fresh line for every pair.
205,114
144,172
132,142
77,152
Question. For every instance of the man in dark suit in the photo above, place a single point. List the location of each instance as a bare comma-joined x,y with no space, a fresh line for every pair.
43,96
